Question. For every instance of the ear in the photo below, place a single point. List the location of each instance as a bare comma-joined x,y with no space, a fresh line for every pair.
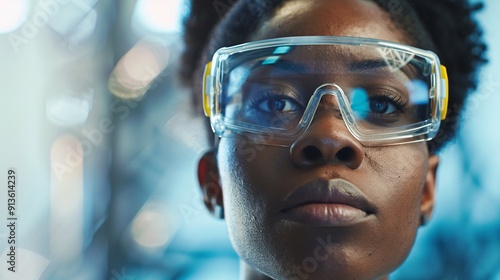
208,177
428,195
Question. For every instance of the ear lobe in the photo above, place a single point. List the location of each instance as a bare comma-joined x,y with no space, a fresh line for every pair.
208,178
428,195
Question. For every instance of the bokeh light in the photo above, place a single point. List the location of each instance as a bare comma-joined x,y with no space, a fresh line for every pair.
158,16
66,161
152,227
69,110
12,14
137,69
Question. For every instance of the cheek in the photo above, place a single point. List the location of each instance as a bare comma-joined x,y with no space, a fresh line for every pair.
252,194
240,166
406,170
246,205
402,172
249,173
233,160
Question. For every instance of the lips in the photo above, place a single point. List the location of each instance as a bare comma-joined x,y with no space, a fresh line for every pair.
335,203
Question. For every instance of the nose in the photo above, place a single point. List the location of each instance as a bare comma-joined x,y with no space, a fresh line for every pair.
327,141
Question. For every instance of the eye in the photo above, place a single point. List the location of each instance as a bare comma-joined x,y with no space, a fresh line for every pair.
273,105
278,104
381,102
381,106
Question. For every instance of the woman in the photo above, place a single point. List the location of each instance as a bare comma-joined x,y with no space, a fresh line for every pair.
327,125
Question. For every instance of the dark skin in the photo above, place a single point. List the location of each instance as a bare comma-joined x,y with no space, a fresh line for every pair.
251,181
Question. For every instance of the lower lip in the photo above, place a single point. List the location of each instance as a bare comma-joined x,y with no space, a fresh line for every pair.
333,215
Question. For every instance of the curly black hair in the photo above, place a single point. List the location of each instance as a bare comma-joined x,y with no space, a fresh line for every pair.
447,27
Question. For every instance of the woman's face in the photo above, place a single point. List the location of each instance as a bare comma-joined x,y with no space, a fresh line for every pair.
327,206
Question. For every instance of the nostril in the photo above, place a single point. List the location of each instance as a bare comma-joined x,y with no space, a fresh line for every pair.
311,153
345,154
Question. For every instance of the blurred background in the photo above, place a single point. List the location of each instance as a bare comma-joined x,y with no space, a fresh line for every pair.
105,146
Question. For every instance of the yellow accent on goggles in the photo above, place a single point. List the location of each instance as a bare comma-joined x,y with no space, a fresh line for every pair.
444,76
206,97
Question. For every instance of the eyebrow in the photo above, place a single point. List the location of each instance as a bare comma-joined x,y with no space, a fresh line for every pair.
283,65
300,68
277,65
367,65
408,70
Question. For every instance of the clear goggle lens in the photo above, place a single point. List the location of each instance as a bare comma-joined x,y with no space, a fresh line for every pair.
384,95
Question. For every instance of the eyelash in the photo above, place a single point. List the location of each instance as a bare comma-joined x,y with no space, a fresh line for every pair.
254,103
389,96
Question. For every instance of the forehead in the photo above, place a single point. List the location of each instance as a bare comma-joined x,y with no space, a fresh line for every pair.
357,18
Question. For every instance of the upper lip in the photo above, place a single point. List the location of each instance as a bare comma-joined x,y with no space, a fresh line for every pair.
334,191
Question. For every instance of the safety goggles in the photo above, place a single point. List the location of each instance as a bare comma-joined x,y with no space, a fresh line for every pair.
270,91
